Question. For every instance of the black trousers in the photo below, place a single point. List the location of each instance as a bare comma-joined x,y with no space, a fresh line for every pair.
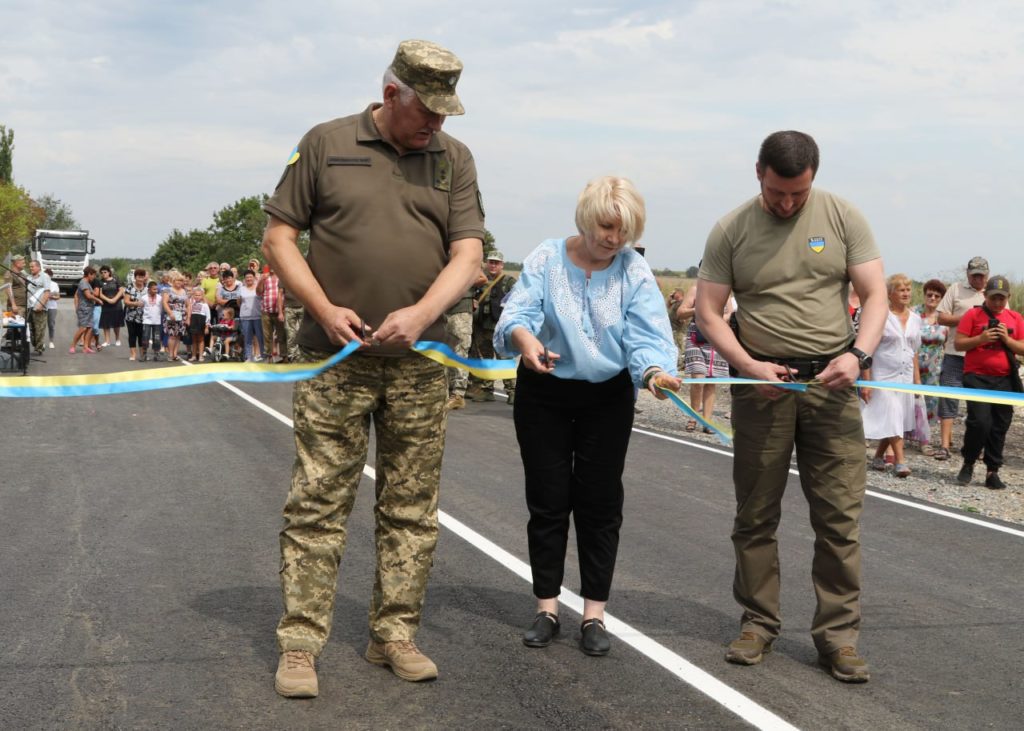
573,437
986,424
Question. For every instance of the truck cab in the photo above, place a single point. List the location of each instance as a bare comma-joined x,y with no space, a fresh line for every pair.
65,252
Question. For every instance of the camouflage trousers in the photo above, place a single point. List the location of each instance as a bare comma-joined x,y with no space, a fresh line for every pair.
405,399
483,347
292,320
460,328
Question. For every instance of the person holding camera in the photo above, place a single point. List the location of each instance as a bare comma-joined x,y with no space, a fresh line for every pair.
990,336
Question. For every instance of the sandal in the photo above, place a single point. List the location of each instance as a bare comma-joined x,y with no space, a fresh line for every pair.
901,470
878,464
941,454
691,425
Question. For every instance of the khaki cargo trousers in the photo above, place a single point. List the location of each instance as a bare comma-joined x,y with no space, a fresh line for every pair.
827,431
405,398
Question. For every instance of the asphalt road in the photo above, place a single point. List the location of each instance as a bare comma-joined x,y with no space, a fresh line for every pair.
138,587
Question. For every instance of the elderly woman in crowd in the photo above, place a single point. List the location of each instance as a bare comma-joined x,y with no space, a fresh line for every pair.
588,320
933,344
888,415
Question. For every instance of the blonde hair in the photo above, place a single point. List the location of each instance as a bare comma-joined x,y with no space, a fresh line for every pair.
897,280
609,199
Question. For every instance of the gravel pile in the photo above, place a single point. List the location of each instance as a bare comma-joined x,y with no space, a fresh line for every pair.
931,480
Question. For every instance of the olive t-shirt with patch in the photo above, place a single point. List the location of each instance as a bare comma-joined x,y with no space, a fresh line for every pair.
789,276
380,223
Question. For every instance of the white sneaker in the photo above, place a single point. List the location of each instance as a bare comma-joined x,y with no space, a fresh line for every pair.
105,344
118,343
51,346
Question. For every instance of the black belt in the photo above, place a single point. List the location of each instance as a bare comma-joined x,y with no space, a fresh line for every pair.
805,368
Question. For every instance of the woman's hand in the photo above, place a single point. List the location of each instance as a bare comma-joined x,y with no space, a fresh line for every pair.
865,394
663,380
536,357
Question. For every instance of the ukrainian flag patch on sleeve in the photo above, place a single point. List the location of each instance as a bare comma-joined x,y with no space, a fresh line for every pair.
293,158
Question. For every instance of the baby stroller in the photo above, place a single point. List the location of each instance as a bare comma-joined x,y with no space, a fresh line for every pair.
219,348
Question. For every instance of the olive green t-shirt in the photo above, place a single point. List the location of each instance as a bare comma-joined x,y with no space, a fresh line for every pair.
789,276
380,224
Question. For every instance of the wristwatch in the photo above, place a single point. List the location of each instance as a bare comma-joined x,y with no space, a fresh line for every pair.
863,358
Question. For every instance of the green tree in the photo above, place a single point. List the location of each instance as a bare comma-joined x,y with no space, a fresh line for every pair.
58,214
183,251
692,272
237,230
489,247
19,218
6,155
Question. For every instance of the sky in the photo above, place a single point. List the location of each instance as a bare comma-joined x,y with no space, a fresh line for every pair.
146,117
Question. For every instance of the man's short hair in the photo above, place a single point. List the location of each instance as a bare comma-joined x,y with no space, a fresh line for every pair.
106,268
140,272
788,153
609,198
87,271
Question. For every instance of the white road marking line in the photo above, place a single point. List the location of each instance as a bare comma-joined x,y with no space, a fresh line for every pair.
712,687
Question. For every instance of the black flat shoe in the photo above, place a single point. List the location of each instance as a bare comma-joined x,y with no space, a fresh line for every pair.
594,640
544,630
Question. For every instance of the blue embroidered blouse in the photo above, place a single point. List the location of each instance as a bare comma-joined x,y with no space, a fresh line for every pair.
614,320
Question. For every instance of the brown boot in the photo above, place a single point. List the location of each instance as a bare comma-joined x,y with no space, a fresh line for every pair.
404,659
296,675
846,665
748,649
456,402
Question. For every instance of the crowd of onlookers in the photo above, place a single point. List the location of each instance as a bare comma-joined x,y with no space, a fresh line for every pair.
172,315
963,335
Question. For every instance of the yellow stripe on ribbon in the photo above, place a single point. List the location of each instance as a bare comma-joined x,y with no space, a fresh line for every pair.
103,384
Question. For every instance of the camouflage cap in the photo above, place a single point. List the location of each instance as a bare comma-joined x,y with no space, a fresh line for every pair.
977,265
432,72
17,257
496,256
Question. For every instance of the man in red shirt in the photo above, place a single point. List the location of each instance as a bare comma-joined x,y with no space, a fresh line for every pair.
992,335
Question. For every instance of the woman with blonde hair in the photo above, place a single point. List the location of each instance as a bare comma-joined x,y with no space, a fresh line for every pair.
889,415
588,319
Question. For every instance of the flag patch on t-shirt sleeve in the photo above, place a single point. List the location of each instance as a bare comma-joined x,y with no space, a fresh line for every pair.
817,244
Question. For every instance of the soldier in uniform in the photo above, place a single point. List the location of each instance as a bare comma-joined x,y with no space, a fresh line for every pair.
789,256
486,311
17,289
396,236
459,326
672,304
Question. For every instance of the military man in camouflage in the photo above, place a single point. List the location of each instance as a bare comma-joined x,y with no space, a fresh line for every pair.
672,303
396,224
486,311
459,325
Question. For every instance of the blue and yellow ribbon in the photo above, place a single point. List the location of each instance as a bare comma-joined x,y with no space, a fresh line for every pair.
105,384
1007,398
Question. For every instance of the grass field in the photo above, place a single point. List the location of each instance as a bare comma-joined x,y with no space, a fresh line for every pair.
667,284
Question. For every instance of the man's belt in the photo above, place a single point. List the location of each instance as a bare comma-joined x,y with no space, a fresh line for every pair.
806,368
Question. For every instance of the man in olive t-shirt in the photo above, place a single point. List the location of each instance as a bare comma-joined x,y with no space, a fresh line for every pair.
789,256
396,227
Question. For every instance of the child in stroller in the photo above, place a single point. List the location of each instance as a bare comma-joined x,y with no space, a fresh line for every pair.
225,344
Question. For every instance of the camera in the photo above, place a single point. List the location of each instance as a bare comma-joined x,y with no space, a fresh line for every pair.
992,323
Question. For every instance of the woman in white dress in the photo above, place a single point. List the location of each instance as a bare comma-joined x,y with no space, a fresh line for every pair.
888,415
